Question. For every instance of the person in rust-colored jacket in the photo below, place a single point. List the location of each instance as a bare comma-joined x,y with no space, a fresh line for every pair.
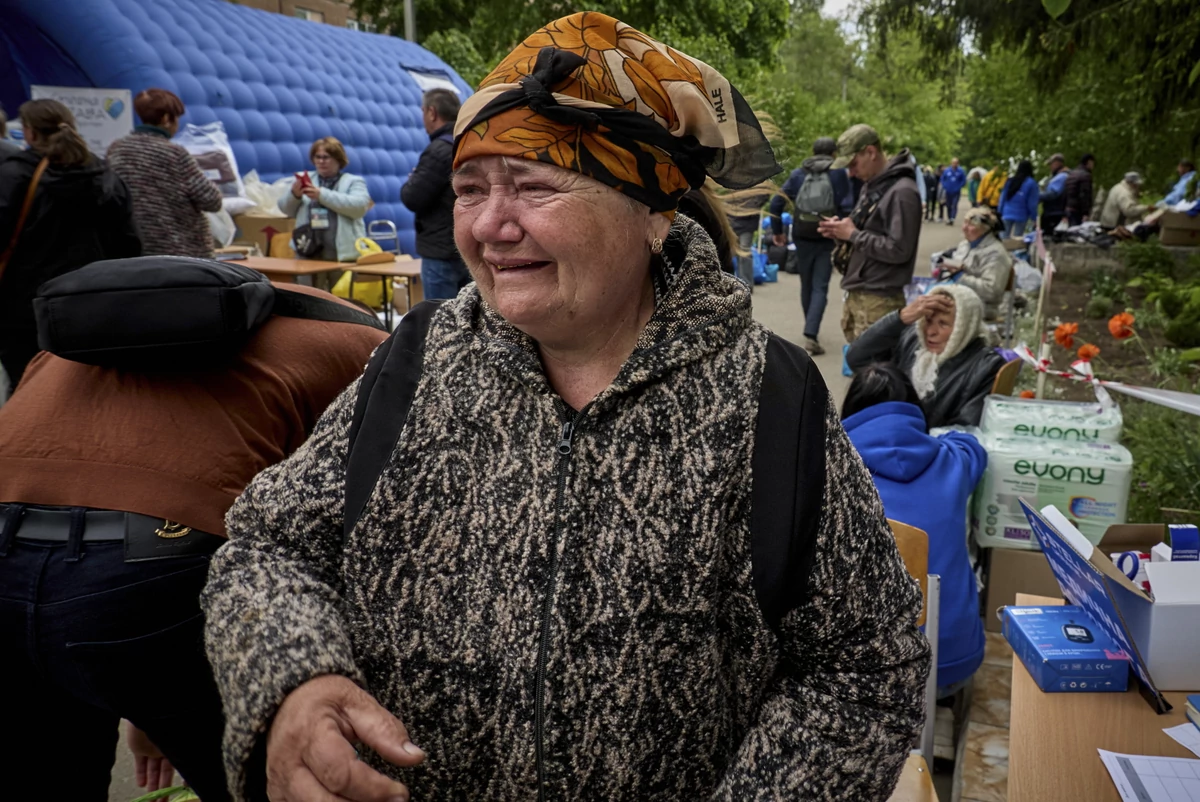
113,492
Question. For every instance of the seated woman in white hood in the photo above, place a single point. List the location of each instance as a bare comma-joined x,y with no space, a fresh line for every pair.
980,261
940,343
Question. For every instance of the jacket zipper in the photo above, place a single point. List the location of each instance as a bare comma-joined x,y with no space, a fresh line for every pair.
563,448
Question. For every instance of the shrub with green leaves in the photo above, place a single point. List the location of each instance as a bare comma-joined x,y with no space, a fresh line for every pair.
1166,463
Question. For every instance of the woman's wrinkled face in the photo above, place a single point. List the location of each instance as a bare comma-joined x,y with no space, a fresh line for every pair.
559,255
971,231
327,166
938,327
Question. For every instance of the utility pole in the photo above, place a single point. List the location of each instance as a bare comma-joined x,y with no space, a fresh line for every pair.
410,21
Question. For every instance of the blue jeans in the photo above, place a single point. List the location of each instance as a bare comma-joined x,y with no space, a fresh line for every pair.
88,643
815,263
952,204
745,264
1013,228
443,278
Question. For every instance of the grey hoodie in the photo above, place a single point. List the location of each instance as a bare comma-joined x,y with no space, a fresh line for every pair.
885,246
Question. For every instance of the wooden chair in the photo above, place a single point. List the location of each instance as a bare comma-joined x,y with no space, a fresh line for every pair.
1006,378
913,544
916,782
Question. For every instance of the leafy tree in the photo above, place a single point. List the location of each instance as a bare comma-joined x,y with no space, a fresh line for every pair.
1157,42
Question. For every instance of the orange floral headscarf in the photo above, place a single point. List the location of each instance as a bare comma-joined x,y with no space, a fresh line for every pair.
591,94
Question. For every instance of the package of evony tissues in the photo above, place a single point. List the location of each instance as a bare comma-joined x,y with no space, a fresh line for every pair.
1067,421
1088,481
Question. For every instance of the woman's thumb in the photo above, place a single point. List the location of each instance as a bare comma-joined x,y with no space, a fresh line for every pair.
383,732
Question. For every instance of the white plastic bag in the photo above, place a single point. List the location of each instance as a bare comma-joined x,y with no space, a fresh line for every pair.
1028,278
222,227
209,144
264,198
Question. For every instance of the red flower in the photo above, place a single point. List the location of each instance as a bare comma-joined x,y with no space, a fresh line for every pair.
1121,326
1028,394
1088,352
1064,335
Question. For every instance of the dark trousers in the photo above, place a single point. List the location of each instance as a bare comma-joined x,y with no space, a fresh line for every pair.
815,262
952,204
90,642
1051,221
931,206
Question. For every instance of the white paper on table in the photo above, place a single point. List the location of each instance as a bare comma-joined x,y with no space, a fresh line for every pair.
1187,734
1142,778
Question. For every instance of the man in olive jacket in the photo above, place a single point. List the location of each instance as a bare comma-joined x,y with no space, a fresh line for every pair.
880,235
428,195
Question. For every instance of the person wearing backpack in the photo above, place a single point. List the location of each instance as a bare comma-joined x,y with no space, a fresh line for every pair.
428,195
816,191
111,509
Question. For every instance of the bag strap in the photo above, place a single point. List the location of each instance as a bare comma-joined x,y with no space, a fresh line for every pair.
25,207
788,462
788,478
385,394
296,304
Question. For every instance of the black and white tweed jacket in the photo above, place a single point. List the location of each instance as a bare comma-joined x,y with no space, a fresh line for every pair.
560,605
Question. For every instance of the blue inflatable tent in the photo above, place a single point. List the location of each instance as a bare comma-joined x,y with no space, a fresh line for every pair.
277,83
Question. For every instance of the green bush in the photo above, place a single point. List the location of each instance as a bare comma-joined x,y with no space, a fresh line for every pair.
1098,306
1146,258
1166,463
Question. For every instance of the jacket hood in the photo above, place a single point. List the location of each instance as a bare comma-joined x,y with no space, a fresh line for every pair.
899,166
817,164
892,441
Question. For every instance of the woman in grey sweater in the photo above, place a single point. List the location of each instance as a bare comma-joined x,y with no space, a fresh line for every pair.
564,584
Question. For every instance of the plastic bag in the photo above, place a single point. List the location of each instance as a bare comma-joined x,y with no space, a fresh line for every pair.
209,145
222,227
366,290
264,198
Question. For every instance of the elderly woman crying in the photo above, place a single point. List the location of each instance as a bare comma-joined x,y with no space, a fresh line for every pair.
586,531
940,342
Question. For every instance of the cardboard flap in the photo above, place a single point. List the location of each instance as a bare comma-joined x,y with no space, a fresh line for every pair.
1086,584
1132,537
1174,583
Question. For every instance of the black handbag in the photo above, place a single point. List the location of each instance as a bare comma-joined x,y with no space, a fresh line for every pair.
167,312
305,242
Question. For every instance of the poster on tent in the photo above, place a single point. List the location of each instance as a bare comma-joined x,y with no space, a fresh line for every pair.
101,115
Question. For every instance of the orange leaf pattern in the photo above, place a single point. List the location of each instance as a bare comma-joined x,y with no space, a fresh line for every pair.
624,69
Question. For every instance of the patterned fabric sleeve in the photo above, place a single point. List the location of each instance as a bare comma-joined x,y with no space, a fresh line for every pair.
204,194
271,603
846,705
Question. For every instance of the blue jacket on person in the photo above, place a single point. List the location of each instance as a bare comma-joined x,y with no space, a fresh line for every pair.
953,180
1054,198
925,482
1179,192
1019,204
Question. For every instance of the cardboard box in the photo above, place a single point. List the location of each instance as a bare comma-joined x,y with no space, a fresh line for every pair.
1011,572
1161,634
256,230
1064,651
1177,228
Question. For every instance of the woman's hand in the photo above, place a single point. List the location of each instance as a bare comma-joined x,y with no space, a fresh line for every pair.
924,306
297,188
312,192
310,748
151,770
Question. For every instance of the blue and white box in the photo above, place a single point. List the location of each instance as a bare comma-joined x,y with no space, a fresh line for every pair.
1185,542
1064,651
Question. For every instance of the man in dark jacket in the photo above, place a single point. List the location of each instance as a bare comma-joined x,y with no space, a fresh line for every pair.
428,194
877,244
1054,196
1078,191
826,192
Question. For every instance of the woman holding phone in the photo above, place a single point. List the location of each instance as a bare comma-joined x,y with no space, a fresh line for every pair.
329,205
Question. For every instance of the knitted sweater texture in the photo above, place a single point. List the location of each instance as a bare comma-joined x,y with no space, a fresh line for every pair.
577,623
169,193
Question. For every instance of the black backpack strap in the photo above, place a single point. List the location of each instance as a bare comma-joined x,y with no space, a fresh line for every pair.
788,478
310,307
385,394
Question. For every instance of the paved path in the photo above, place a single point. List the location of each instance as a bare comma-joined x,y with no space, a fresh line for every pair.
776,306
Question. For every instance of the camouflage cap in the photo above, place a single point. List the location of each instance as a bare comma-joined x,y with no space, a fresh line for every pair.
852,140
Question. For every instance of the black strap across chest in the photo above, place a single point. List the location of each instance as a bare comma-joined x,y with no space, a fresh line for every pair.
788,467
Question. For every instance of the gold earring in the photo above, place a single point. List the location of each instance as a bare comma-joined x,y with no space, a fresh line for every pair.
656,245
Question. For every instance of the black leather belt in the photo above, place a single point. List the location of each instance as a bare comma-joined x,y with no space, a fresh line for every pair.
145,538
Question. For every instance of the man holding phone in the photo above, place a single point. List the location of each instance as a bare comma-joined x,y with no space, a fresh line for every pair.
876,246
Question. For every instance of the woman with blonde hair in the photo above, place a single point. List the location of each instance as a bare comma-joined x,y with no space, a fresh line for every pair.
60,208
